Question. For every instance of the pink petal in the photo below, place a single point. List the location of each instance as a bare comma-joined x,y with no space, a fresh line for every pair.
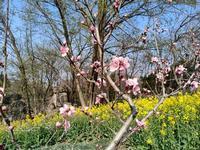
64,50
58,124
62,110
154,59
132,82
66,125
136,90
66,107
10,127
139,123
114,65
98,100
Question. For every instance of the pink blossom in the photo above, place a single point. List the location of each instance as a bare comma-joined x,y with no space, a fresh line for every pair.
136,90
1,89
111,24
94,41
78,74
96,65
133,85
66,125
100,98
66,107
170,1
95,14
97,100
92,28
166,70
140,123
83,22
180,69
146,90
194,85
64,50
154,59
116,4
73,58
72,110
4,108
164,61
84,109
160,76
62,111
67,111
119,63
10,127
82,73
76,59
197,66
58,124
98,83
64,43
135,129
132,82
123,79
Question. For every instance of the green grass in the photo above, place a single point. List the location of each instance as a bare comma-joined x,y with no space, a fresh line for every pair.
176,127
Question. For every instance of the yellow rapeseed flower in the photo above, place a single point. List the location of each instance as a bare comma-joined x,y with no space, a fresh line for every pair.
149,141
181,107
163,132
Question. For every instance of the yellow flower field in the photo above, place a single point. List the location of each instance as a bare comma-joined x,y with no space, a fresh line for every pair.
170,109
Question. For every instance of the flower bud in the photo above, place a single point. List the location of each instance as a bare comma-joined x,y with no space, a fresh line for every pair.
154,59
140,123
10,127
92,28
66,125
58,124
4,108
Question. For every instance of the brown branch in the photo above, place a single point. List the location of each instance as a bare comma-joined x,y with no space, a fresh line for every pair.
153,111
6,120
59,5
118,137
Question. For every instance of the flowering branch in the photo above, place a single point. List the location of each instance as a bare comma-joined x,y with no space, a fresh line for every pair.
160,102
121,65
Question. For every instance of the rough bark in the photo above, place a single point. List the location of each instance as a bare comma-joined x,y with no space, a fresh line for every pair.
59,4
21,65
97,55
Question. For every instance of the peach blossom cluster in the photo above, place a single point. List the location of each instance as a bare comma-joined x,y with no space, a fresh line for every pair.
66,111
119,63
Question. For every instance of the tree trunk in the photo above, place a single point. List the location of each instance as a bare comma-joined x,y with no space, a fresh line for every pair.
102,5
59,4
21,66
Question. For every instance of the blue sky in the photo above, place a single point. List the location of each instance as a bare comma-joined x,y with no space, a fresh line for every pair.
141,22
18,26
